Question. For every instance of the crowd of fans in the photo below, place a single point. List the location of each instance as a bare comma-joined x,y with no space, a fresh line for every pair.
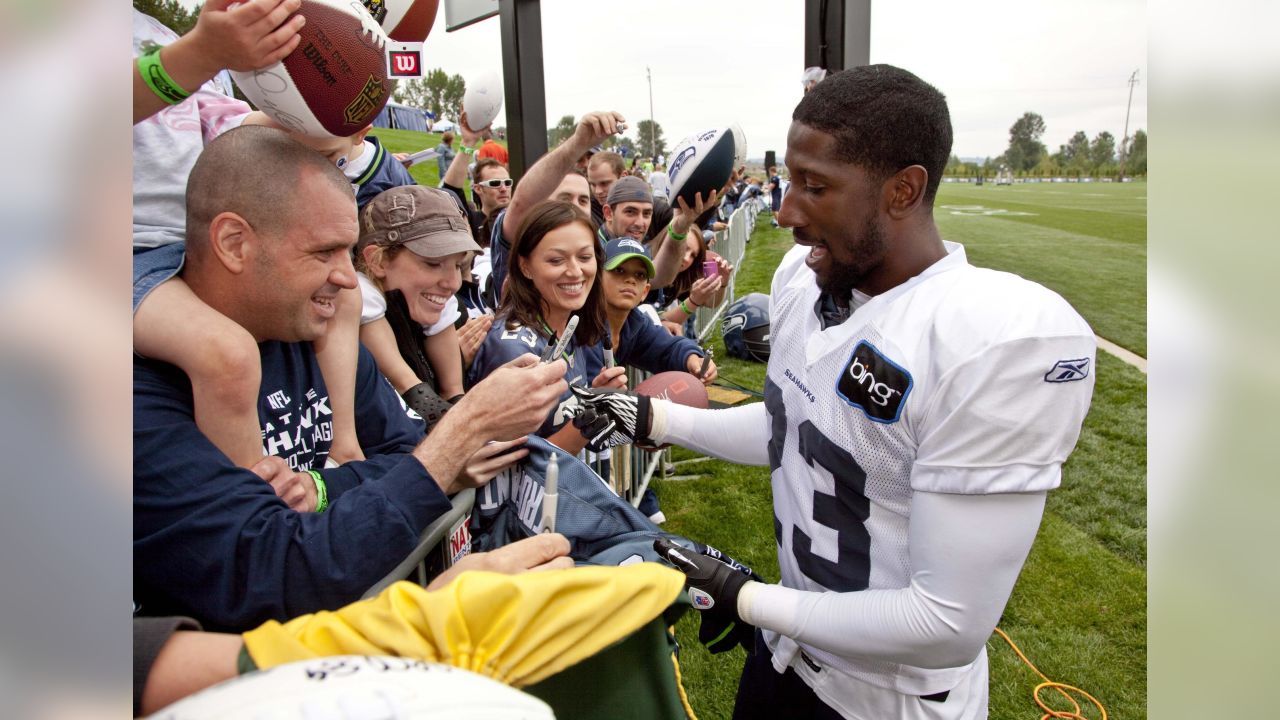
326,351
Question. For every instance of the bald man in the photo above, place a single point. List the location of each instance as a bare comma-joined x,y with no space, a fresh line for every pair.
270,227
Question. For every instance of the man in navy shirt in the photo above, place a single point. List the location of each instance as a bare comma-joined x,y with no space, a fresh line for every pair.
270,227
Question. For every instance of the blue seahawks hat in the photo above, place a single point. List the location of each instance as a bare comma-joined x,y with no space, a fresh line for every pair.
620,250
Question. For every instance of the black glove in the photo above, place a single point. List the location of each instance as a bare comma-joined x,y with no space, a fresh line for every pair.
609,418
714,580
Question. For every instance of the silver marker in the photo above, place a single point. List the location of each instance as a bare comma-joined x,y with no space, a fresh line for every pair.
550,494
558,349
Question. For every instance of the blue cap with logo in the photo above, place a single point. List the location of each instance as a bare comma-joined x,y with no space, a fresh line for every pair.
620,250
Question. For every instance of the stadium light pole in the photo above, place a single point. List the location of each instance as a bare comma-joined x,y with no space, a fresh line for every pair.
1124,140
653,149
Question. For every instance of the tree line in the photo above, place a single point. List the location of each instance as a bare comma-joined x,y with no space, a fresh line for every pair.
1079,157
646,144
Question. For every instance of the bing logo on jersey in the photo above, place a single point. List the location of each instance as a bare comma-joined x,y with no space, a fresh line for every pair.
874,384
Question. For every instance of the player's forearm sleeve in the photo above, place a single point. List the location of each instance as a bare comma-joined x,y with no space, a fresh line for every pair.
967,551
739,435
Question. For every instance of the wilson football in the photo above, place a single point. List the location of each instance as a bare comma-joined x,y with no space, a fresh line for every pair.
678,387
335,82
404,20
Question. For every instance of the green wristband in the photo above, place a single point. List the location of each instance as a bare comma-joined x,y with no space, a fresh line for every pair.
154,75
244,662
322,493
674,235
685,308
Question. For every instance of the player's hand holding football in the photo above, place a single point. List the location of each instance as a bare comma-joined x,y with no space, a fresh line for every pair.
714,583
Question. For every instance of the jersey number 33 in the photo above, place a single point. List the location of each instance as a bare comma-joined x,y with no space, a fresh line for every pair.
845,513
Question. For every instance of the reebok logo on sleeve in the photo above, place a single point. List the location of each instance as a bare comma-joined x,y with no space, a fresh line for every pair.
874,384
1068,370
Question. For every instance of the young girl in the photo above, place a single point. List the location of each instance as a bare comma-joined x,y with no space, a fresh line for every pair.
414,244
551,275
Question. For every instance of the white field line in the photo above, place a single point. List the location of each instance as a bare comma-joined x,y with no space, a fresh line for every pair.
1132,358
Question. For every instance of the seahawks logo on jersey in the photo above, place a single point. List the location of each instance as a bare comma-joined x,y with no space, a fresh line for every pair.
874,384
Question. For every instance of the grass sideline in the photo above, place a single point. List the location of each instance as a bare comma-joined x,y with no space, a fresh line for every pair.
1079,608
1087,241
411,141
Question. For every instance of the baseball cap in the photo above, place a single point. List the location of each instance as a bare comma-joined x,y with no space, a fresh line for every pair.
426,220
620,250
629,188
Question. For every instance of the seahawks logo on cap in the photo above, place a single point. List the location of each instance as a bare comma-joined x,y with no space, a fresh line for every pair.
632,244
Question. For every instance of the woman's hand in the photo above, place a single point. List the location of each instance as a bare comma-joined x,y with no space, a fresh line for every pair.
704,290
471,335
612,378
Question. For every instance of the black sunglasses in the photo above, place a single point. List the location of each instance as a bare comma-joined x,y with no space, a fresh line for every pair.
497,182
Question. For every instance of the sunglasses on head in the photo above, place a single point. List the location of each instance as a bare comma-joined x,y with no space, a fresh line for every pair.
497,182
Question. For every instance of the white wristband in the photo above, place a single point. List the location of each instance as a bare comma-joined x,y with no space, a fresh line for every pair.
658,421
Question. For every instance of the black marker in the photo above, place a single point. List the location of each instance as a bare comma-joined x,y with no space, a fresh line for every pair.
706,361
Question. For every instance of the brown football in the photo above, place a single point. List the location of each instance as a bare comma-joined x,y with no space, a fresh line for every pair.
335,83
678,387
405,20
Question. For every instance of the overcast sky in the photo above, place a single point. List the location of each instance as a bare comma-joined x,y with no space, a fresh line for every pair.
717,62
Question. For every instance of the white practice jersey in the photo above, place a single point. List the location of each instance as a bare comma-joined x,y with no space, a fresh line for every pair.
960,380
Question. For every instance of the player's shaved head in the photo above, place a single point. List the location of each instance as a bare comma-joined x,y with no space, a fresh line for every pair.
883,119
254,172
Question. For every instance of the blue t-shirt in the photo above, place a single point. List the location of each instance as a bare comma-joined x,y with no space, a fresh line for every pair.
213,541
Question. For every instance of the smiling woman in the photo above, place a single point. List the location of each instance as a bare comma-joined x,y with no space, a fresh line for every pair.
415,244
552,274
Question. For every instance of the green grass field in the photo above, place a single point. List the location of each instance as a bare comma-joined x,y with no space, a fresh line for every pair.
1087,241
411,141
1079,609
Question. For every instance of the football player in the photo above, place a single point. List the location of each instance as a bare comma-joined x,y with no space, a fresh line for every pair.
917,411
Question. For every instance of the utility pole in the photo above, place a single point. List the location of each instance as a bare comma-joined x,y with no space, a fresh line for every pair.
1124,141
653,149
